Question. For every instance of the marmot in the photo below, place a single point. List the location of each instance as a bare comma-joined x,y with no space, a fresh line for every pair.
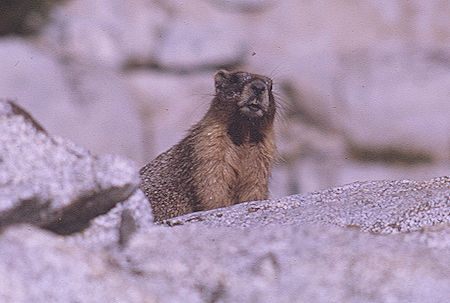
225,158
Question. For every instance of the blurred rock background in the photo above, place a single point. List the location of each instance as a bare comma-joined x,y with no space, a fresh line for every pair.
363,86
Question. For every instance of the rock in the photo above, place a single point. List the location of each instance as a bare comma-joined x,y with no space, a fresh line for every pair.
376,206
377,170
38,266
91,106
119,225
50,182
288,250
310,156
106,33
294,263
194,39
397,99
169,104
379,241
385,107
397,80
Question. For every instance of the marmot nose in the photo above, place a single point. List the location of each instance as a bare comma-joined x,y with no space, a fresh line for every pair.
258,87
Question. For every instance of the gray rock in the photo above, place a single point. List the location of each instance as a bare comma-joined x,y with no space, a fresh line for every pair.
119,225
396,97
106,33
194,39
287,251
38,266
310,157
87,104
377,206
50,182
367,171
365,73
263,251
386,104
295,263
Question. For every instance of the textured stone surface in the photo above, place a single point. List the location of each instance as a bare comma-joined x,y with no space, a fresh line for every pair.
287,250
118,225
279,263
377,206
106,33
283,250
50,182
394,97
90,106
38,266
191,42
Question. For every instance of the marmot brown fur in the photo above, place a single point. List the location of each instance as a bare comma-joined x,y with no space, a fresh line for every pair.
225,158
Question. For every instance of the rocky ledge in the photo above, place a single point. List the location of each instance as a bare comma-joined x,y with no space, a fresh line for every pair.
75,228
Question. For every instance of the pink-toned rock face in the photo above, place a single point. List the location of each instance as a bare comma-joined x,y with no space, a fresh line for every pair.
87,104
50,182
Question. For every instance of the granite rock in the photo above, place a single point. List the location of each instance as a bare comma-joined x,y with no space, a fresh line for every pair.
106,33
39,266
395,99
287,263
376,206
379,241
116,227
50,182
89,105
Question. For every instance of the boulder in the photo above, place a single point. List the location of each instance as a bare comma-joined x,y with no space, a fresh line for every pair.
375,206
380,241
106,33
48,181
39,266
288,263
87,104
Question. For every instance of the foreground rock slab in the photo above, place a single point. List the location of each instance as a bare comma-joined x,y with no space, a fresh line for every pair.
375,206
289,263
310,248
306,248
49,182
39,266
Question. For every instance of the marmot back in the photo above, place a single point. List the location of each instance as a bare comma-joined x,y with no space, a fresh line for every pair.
225,158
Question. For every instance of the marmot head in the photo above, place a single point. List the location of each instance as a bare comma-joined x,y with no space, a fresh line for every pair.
249,94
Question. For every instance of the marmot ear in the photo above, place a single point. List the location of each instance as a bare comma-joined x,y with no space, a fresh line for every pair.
220,76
